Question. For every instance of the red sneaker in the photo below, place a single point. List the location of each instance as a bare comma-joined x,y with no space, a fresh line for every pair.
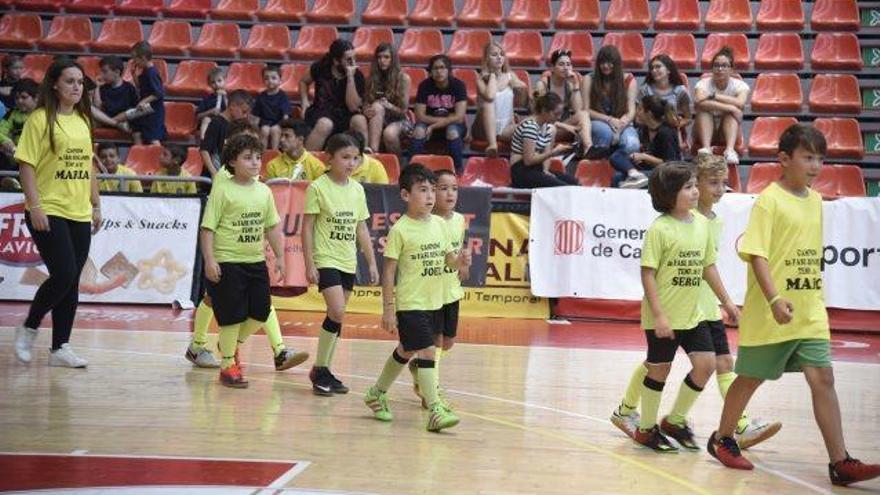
655,440
851,470
232,377
727,452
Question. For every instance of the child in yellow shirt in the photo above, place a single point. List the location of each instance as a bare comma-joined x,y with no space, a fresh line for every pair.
108,155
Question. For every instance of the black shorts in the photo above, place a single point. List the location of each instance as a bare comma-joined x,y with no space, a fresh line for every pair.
416,329
329,277
698,339
242,293
447,319
719,337
340,117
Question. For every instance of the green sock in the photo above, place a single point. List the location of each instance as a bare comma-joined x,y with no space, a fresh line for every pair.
333,348
393,366
437,356
273,332
325,348
228,344
201,322
650,403
724,381
428,381
634,390
248,328
687,395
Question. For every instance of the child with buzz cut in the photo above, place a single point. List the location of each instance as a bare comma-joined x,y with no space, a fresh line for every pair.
784,325
417,253
271,106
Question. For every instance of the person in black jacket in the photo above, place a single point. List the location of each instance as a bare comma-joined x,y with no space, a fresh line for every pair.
658,135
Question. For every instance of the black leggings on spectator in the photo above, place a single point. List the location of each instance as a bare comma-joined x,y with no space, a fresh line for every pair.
64,249
523,177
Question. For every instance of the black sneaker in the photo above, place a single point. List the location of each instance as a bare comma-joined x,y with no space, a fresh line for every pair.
655,440
289,358
681,434
336,386
321,381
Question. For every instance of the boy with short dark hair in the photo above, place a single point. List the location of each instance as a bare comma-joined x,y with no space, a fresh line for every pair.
116,96
108,155
271,106
294,162
213,104
240,103
24,94
149,128
171,159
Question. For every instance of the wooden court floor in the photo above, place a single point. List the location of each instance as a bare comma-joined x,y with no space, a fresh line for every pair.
534,415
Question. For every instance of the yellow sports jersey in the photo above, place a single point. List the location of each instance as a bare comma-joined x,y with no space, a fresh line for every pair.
678,251
239,214
370,171
63,177
420,248
168,187
708,301
306,167
338,210
133,186
455,232
787,231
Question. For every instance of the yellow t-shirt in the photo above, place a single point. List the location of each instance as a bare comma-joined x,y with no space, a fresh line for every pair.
678,251
283,167
420,248
338,210
709,304
787,230
455,230
370,171
133,186
168,187
239,214
63,178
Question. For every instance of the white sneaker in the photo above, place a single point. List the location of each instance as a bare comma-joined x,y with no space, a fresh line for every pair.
24,343
756,432
635,181
704,151
66,358
731,157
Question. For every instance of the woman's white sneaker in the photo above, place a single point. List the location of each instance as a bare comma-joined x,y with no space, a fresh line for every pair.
24,343
66,358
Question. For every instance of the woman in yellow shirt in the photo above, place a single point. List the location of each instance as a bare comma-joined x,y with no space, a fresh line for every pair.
61,198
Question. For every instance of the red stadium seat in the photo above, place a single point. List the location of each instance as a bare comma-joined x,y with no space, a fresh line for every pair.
331,11
492,171
283,11
99,7
469,78
367,38
764,138
780,15
777,93
247,76
594,173
434,162
391,164
523,76
290,77
631,46
192,9
139,8
91,66
628,14
843,135
736,41
835,93
432,13
467,45
580,43
524,48
836,51
850,181
681,48
218,40
171,37
480,13
835,15
267,41
41,5
267,157
20,31
733,179
69,33
419,45
578,14
391,12
729,15
525,14
677,15
144,158
826,183
416,76
779,51
238,10
117,35
180,120
313,41
762,175
193,163
321,155
191,78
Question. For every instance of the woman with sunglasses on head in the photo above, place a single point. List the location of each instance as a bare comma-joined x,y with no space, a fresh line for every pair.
498,91
666,82
719,101
611,100
565,82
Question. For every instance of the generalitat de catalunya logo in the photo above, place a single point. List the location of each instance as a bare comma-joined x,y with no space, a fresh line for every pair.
17,248
568,237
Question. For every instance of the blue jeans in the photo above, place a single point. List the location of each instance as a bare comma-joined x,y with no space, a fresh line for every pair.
454,134
629,143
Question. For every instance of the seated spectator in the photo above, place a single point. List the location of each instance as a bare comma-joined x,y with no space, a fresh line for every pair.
240,103
171,160
565,82
498,91
213,104
655,121
24,94
719,101
441,108
294,162
13,68
665,81
339,89
271,107
115,97
385,101
611,100
108,157
150,126
369,170
531,147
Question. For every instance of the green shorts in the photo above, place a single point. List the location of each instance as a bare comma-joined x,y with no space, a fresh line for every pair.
768,362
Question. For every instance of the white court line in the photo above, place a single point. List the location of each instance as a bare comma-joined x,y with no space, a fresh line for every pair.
794,480
285,478
79,452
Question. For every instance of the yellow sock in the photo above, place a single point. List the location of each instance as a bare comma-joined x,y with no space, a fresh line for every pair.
273,332
652,391
633,392
228,344
248,328
201,322
687,396
724,381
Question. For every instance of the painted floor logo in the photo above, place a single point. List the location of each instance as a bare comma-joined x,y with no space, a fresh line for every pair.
569,237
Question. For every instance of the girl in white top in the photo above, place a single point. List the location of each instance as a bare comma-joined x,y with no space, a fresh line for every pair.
498,90
719,101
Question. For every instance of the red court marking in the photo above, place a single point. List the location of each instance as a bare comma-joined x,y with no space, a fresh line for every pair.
36,471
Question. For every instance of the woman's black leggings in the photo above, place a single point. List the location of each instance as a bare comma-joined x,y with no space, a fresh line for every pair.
525,177
64,249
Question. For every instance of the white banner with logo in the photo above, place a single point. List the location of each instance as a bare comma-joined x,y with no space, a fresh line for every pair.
586,242
144,252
